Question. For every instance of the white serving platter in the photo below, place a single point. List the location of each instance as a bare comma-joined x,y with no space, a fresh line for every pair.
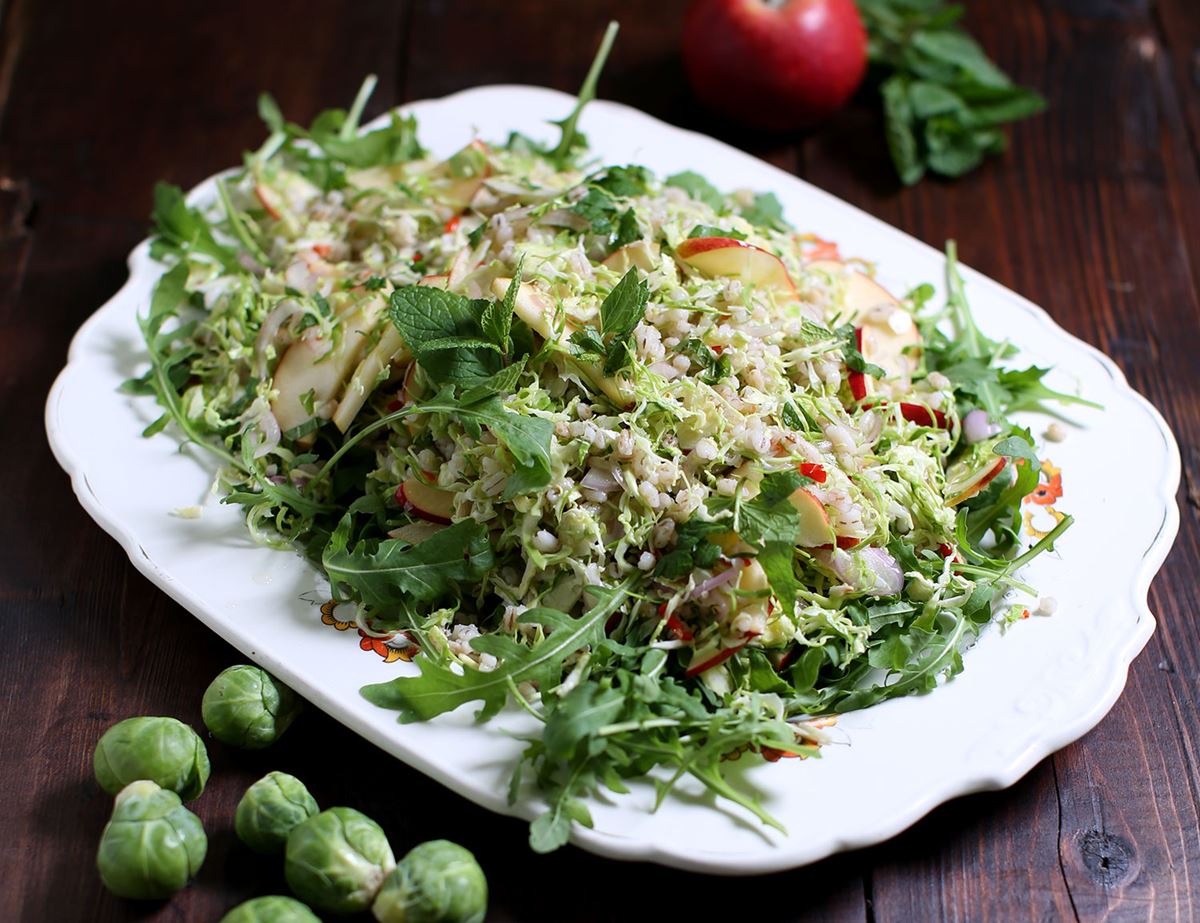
1026,691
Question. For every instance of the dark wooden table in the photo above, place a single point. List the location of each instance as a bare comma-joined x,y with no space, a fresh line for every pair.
1095,214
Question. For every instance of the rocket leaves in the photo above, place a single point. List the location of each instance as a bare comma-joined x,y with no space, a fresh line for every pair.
439,689
394,572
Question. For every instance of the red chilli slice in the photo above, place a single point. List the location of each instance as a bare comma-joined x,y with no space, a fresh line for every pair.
810,470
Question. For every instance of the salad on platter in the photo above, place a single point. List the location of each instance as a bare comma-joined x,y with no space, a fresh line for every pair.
627,452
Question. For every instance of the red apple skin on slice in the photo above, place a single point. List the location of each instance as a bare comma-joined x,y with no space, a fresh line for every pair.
428,502
726,256
985,477
896,352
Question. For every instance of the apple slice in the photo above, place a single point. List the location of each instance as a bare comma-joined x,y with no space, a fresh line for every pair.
537,309
428,502
313,364
889,340
416,532
726,256
713,654
815,528
966,484
642,254
390,351
459,188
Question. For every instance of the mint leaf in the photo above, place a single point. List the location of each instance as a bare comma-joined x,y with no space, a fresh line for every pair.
182,230
628,230
770,516
625,181
625,306
620,313
713,368
698,188
707,230
599,210
395,572
855,361
443,331
767,212
693,548
497,317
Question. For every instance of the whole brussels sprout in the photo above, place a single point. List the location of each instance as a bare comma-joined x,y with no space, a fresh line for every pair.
245,706
162,750
437,882
271,909
337,859
152,845
269,810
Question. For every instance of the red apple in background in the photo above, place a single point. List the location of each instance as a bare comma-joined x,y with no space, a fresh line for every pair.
774,64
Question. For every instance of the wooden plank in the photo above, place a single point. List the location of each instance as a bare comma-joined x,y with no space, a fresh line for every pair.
97,111
1108,177
1109,826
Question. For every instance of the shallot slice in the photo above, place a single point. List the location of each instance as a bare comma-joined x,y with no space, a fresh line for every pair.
717,580
977,427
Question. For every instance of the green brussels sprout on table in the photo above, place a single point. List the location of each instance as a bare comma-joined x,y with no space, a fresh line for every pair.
269,810
437,882
245,706
162,750
271,909
152,845
337,859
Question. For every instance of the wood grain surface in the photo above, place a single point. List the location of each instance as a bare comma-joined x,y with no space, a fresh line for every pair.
1094,213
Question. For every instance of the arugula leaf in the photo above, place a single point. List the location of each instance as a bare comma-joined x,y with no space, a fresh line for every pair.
698,188
1018,446
395,571
572,141
183,231
439,689
527,438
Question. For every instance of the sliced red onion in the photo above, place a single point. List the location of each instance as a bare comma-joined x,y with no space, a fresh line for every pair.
712,583
889,576
872,570
268,333
416,532
300,276
601,479
977,427
270,432
564,218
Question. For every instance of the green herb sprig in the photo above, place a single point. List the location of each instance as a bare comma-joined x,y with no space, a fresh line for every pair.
945,102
